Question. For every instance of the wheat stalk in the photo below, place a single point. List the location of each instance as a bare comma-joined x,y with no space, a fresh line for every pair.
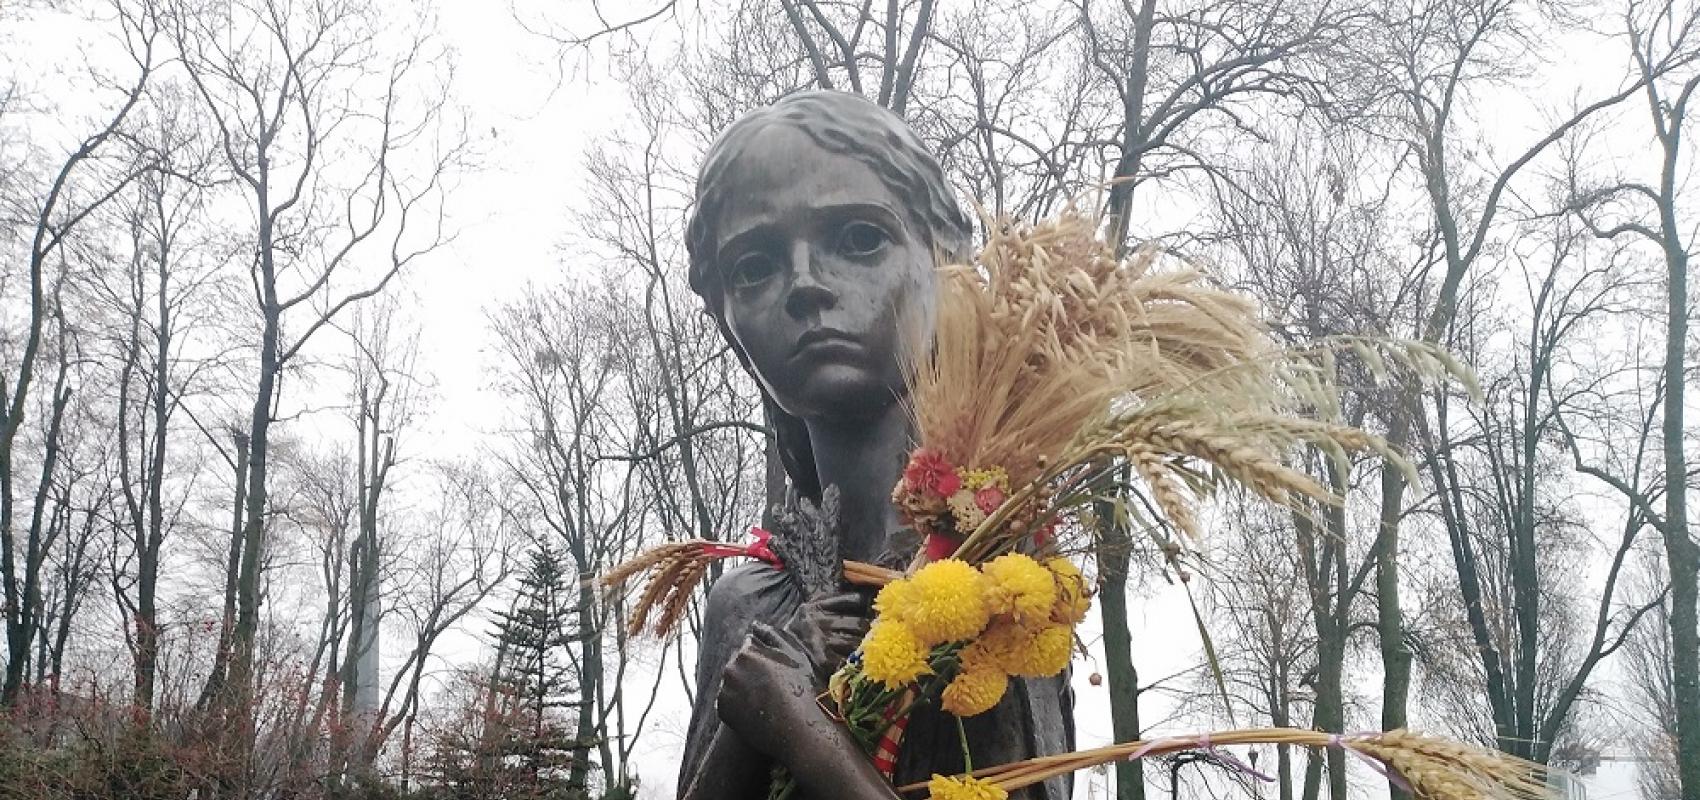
1434,769
675,571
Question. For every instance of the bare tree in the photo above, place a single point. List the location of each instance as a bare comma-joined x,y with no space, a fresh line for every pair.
168,272
1502,484
1167,73
456,554
312,115
559,347
695,449
384,388
1008,104
1647,668
69,509
1417,73
1162,77
1266,641
86,179
1664,48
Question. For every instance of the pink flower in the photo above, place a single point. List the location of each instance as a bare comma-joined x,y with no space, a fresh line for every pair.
989,498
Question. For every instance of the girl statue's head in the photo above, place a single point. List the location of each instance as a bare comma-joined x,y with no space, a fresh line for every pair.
817,224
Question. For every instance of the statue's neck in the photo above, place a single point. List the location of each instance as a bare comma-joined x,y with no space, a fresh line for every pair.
864,459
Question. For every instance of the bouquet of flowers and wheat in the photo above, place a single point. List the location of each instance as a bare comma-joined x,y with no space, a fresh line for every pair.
1055,371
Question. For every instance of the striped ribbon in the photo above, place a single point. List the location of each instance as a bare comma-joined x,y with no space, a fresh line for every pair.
891,742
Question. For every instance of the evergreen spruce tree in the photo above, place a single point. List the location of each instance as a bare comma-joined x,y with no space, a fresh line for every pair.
533,741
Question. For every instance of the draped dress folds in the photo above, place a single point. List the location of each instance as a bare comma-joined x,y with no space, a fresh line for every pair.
1035,717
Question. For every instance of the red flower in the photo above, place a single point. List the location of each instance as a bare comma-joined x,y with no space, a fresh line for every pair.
929,472
941,546
989,498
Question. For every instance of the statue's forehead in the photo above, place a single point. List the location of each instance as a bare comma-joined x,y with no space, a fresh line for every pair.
780,168
778,155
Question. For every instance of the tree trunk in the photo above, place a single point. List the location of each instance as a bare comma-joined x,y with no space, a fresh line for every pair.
1395,652
359,670
1120,203
588,734
237,700
1331,597
21,623
153,538
1116,542
1682,552
48,234
214,687
1113,558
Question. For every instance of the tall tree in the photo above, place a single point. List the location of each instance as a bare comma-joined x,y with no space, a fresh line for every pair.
1503,488
157,296
89,176
382,392
1304,226
1417,75
1163,77
1664,48
312,107
560,368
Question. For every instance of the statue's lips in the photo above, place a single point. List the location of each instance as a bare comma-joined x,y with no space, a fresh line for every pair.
824,341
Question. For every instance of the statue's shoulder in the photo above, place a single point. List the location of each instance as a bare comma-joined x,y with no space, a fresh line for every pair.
749,592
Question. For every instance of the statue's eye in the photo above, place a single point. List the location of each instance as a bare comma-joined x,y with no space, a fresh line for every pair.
751,269
862,239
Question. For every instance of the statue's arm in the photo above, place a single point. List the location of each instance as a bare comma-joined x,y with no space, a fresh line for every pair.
825,766
759,685
716,762
768,697
728,769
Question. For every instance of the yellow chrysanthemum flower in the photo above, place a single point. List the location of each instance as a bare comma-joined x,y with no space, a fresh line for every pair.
1000,646
895,597
1074,598
948,603
892,655
1021,587
964,788
974,691
1046,653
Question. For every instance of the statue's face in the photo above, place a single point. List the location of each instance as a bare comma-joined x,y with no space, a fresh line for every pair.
821,267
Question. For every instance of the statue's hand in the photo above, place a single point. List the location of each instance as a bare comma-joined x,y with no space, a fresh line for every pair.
767,692
829,629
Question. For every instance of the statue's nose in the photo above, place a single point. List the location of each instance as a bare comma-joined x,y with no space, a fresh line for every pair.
808,294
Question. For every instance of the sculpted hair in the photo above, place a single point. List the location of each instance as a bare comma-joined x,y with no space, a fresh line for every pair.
842,123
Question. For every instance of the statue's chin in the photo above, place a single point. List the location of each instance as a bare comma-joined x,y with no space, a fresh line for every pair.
841,393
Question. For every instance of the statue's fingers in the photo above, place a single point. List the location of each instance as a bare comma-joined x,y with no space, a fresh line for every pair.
850,603
855,627
777,644
843,645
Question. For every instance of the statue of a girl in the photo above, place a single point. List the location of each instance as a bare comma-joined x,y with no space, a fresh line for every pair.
813,243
